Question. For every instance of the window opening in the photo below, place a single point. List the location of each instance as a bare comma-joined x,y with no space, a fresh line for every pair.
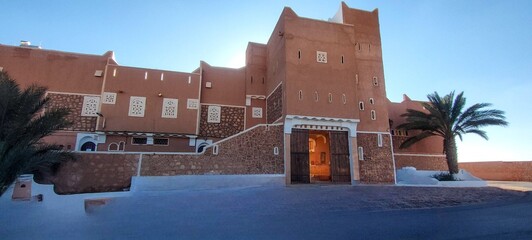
371,101
160,141
330,97
379,140
360,153
300,94
139,140
361,105
373,115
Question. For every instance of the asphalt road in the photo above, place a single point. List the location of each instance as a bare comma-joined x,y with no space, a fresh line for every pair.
307,212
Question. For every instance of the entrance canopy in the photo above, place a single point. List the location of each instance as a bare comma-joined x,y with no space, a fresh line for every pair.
320,123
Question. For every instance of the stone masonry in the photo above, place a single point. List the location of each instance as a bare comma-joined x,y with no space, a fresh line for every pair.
274,105
231,122
430,163
377,166
249,153
75,104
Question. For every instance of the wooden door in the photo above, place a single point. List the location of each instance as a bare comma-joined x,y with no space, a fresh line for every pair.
339,147
299,156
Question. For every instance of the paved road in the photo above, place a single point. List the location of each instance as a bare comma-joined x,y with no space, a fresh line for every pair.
301,212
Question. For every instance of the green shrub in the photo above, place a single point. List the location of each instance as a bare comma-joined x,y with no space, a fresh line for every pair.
445,176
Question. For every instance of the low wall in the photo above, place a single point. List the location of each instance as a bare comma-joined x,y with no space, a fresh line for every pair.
421,162
500,171
251,152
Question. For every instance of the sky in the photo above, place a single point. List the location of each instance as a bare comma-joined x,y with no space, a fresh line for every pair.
481,47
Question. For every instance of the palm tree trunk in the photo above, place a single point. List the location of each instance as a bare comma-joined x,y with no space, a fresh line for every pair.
451,155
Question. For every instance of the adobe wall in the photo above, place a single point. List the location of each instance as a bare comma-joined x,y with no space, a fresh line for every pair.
377,166
249,153
75,104
421,162
500,171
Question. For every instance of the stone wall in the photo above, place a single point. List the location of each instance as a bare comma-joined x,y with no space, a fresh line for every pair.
421,162
93,172
377,166
249,153
75,104
500,171
231,122
274,105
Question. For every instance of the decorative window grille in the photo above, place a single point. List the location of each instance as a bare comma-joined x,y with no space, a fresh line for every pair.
169,108
257,112
192,103
373,115
160,141
90,106
321,57
379,140
109,98
214,115
139,140
137,106
360,153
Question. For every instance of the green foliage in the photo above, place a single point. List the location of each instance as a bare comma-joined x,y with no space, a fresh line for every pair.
24,122
445,176
446,117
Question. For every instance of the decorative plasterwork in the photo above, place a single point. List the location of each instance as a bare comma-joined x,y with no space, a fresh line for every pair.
321,57
192,103
169,108
249,97
137,106
256,112
214,114
109,98
90,106
321,123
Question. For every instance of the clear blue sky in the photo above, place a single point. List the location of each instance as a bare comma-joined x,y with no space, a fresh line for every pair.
482,47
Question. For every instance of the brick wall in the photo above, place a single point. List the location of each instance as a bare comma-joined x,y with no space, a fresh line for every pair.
75,104
274,105
247,153
231,122
96,173
377,166
500,171
421,162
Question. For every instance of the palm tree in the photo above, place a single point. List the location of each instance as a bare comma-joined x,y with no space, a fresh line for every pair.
24,121
446,117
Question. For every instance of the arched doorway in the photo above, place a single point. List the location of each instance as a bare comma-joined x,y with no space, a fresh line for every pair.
88,147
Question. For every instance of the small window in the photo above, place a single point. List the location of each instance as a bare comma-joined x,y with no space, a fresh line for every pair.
276,151
256,112
162,76
371,101
344,98
215,150
356,79
299,54
330,98
373,115
189,79
114,72
321,57
139,140
360,153
251,79
145,75
361,105
342,59
112,147
375,81
316,96
160,141
379,140
262,80
300,94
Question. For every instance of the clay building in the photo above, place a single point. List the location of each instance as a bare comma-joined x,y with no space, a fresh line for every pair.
321,82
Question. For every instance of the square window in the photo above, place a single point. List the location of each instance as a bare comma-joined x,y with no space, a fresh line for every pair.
109,98
90,106
321,57
192,103
257,112
160,141
139,140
